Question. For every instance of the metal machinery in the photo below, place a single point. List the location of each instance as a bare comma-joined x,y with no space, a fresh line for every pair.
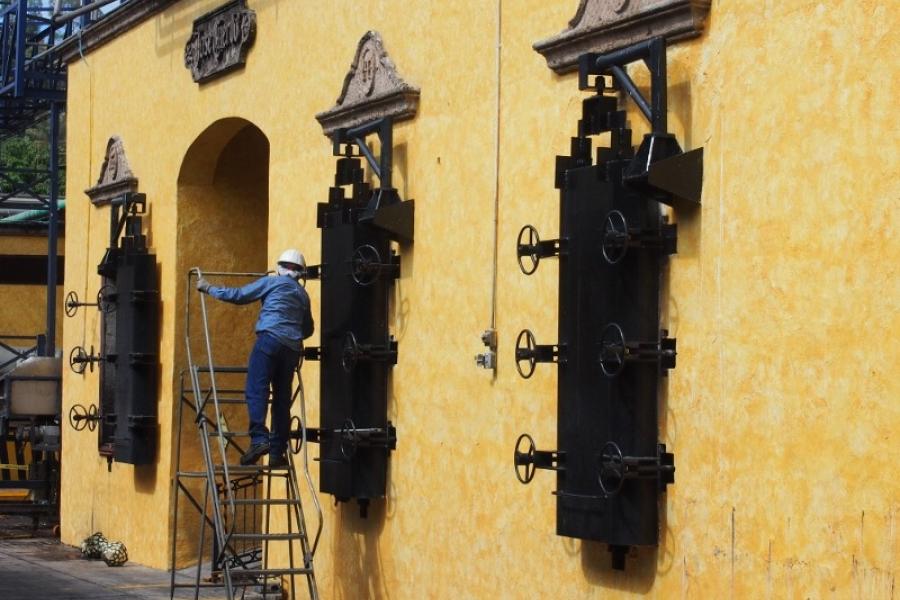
236,503
33,88
360,233
611,353
128,358
29,426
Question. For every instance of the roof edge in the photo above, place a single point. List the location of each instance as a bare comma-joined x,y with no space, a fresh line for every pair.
110,27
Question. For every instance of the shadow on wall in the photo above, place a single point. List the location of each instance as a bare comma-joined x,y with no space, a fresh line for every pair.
643,566
166,29
357,556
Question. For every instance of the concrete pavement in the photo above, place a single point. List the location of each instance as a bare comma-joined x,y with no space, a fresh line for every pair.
36,566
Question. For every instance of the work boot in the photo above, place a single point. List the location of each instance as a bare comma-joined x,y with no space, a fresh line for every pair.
277,461
256,451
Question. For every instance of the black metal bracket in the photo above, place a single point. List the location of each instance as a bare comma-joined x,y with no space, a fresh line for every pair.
614,469
127,205
653,53
311,272
528,461
126,223
384,208
618,237
345,140
353,352
529,246
616,351
660,165
530,353
350,437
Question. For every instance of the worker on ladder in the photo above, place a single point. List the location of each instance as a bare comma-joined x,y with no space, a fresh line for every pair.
285,320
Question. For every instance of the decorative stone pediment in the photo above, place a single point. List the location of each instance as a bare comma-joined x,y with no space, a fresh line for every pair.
372,89
220,41
605,25
116,177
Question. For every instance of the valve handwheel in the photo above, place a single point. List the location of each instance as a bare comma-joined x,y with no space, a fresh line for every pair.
349,439
366,265
296,434
528,249
78,417
350,352
72,304
93,417
525,353
612,350
615,237
524,459
78,360
612,469
104,303
81,417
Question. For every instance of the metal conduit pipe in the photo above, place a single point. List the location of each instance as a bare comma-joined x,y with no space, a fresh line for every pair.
31,215
74,14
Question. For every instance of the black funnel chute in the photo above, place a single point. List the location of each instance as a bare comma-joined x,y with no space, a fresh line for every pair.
680,175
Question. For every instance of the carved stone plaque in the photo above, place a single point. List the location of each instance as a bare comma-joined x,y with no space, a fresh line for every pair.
116,177
372,89
220,41
605,25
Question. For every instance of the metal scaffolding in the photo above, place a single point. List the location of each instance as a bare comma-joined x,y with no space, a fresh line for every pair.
33,89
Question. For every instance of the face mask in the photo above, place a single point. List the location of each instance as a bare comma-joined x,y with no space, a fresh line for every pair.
288,272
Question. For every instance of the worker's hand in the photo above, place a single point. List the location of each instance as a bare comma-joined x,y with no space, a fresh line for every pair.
203,285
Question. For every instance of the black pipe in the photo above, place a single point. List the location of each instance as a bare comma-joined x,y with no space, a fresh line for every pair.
623,56
626,82
52,230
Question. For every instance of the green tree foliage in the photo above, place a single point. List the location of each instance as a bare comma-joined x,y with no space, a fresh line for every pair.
25,161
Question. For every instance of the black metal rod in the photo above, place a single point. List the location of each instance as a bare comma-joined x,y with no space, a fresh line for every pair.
369,156
53,230
624,55
386,135
21,21
365,129
626,82
656,63
73,14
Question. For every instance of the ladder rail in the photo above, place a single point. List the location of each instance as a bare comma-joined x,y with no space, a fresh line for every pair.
223,450
204,437
224,505
301,392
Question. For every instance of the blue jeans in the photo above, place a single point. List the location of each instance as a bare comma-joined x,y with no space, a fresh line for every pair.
271,363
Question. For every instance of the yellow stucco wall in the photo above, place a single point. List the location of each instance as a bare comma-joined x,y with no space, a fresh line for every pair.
784,295
24,309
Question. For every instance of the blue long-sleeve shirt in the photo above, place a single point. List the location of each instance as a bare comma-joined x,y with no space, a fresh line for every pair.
285,311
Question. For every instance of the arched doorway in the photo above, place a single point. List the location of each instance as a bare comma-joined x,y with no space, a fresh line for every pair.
223,199
222,226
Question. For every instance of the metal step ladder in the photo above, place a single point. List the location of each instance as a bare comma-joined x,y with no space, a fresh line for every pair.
239,502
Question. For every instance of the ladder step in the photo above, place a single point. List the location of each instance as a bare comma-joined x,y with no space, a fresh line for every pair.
229,434
229,401
237,573
272,537
265,502
250,469
237,470
222,369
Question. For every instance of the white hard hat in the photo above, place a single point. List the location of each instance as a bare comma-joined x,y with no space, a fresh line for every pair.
293,257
